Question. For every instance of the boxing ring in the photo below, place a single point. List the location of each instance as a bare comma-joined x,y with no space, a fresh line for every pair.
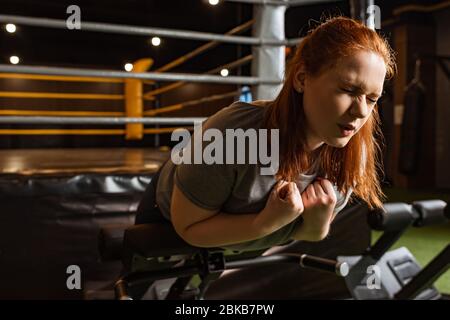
54,201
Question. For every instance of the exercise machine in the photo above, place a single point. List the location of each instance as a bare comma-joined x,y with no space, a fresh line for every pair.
396,274
154,251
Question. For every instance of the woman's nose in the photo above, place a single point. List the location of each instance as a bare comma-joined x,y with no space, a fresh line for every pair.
359,108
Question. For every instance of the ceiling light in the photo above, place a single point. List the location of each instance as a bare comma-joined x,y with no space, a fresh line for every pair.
14,59
11,28
156,41
128,67
224,72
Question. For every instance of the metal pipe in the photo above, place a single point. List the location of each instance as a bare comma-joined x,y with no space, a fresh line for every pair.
287,3
143,277
339,268
27,112
56,78
232,65
207,46
172,86
306,261
137,30
57,95
294,41
82,132
97,120
261,261
189,103
264,2
143,31
294,3
139,75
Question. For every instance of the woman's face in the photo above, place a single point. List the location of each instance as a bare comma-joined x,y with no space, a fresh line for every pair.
340,99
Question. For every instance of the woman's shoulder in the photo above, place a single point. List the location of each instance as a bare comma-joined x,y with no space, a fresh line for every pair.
239,115
261,103
256,106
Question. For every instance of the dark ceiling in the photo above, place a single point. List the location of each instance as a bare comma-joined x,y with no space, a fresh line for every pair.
57,47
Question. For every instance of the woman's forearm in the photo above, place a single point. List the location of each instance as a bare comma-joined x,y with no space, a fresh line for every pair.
301,234
224,229
304,233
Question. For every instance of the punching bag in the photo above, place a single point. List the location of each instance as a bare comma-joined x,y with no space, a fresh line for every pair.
411,129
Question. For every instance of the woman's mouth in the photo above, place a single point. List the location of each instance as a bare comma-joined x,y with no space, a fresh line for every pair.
346,129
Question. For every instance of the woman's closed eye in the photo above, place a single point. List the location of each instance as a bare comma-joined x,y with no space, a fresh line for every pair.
354,93
372,101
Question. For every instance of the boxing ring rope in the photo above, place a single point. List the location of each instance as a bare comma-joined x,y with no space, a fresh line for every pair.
172,86
103,113
111,74
57,95
57,78
166,109
139,75
286,3
176,62
76,114
8,112
182,105
88,132
207,46
142,31
99,121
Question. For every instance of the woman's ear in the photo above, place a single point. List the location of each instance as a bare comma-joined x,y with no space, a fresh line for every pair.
299,79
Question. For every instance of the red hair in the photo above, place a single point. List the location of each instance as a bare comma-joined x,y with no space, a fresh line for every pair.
346,167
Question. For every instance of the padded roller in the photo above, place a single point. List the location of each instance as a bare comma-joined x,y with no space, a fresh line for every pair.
393,216
430,212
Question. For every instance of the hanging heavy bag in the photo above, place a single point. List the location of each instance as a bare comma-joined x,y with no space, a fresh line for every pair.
411,129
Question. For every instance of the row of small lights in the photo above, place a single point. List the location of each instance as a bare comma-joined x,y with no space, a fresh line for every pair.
224,72
11,28
155,41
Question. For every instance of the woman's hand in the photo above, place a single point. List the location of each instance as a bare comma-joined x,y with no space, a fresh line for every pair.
319,200
283,206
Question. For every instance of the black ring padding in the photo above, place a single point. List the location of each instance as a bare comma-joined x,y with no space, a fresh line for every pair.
110,242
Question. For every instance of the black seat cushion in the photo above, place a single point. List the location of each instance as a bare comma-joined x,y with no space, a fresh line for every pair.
156,240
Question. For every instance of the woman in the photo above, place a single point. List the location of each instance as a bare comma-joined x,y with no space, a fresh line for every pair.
327,118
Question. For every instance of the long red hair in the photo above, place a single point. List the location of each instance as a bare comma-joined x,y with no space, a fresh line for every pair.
346,167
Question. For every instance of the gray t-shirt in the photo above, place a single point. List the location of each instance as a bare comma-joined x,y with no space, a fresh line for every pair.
232,188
